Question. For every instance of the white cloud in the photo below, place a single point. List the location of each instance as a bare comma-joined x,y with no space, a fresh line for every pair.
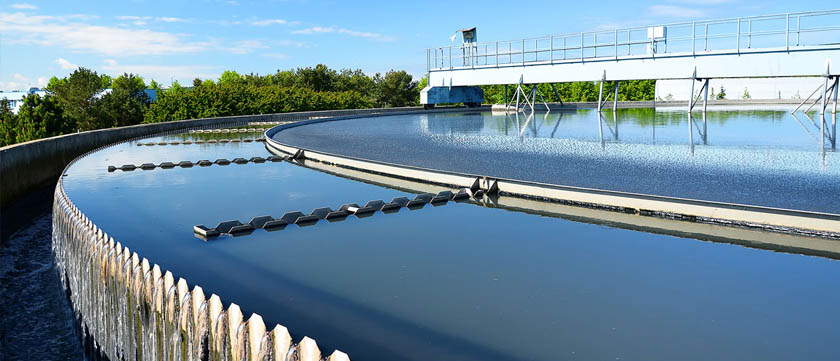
339,30
64,32
23,6
142,20
267,22
674,11
21,82
8,85
246,46
276,55
163,72
169,19
65,64
704,2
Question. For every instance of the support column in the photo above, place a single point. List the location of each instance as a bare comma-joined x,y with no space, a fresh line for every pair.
600,95
506,95
825,95
557,94
834,114
615,96
690,105
533,97
705,104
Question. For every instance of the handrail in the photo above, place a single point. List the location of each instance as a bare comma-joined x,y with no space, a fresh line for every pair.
627,42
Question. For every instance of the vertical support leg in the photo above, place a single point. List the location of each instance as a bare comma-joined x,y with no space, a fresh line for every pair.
518,90
690,105
825,95
533,97
506,95
834,114
600,95
615,96
705,104
556,94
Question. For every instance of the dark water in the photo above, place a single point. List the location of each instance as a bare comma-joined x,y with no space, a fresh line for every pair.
456,282
762,158
36,322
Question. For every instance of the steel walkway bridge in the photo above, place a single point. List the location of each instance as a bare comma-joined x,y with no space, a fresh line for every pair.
781,45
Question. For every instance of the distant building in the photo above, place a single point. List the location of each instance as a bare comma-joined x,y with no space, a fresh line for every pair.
15,97
151,93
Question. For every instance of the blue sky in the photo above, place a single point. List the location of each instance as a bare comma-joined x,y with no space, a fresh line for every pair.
165,40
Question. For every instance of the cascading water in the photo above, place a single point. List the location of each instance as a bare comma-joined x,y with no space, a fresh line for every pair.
129,309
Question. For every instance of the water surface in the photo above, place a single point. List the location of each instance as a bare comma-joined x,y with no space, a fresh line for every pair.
456,282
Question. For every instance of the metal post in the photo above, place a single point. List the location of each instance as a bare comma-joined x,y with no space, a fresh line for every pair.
506,95
557,94
581,47
628,42
564,48
497,54
749,34
825,95
834,114
615,43
693,37
706,37
798,27
787,32
534,98
523,51
601,94
595,45
615,96
690,104
705,102
551,49
738,37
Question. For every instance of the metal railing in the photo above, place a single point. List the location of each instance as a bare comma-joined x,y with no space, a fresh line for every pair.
780,32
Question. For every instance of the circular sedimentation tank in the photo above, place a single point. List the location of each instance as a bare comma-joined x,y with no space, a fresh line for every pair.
401,237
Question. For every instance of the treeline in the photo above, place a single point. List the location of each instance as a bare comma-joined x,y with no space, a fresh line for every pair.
78,102
86,100
585,91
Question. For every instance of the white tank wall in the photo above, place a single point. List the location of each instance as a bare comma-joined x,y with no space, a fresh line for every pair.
758,88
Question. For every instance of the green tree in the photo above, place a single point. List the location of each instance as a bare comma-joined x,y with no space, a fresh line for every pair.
155,85
286,78
396,89
129,82
231,77
41,117
722,94
355,80
125,104
8,123
77,95
319,78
